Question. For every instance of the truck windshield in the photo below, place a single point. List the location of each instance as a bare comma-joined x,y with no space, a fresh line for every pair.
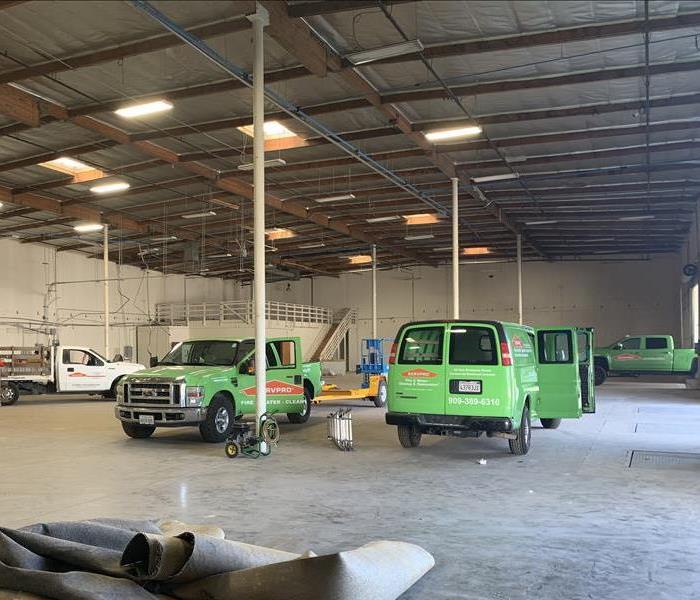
213,353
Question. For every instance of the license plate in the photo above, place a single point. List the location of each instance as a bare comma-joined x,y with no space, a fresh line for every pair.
146,420
469,387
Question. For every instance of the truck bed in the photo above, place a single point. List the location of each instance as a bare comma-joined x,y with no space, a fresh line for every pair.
25,361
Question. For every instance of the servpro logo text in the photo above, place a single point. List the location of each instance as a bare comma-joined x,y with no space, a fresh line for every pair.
418,374
277,388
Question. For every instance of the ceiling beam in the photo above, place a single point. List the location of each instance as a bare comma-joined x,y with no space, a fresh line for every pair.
310,9
112,53
552,37
533,83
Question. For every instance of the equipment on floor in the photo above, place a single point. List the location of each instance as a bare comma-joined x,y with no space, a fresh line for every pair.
374,367
340,429
243,441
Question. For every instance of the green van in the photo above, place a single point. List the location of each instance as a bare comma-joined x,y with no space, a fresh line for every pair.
463,378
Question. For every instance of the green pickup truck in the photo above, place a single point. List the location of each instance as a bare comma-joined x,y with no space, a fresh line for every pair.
464,378
210,383
644,355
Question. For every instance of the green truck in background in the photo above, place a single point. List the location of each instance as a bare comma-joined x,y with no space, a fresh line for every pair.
644,355
464,378
210,383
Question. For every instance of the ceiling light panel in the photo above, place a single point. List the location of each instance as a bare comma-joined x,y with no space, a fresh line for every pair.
143,109
274,130
109,188
368,56
199,215
443,135
421,219
89,227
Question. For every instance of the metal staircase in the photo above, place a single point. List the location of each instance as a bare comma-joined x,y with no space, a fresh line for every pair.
342,320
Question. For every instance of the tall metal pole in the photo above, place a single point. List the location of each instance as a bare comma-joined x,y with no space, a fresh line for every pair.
105,271
259,20
374,291
455,248
519,250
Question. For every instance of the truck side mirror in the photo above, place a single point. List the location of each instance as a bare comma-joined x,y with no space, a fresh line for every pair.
618,346
153,362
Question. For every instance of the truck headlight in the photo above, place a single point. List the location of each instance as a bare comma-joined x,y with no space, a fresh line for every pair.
120,393
195,395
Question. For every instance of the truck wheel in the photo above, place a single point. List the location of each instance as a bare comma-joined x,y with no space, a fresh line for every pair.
9,394
139,432
380,399
219,420
694,368
600,375
303,416
409,436
550,423
521,444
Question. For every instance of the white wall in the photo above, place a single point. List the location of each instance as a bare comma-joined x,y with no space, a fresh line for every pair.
26,270
614,297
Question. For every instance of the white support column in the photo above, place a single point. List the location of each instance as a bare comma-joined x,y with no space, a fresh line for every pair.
455,248
105,276
519,250
374,291
259,20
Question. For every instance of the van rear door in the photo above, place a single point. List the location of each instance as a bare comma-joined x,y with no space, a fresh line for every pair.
417,378
585,368
557,373
476,382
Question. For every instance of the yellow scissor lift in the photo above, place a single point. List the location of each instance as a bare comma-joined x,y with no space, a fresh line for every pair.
374,369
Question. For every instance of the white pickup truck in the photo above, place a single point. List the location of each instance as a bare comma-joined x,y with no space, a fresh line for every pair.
58,369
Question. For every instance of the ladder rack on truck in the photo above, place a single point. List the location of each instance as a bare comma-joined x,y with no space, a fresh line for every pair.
25,361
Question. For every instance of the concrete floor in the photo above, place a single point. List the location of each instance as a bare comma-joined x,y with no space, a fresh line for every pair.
570,520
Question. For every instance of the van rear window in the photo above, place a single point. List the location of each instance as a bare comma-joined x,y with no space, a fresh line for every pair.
422,345
473,346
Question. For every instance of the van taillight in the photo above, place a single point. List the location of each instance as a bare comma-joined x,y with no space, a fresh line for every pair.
506,360
392,355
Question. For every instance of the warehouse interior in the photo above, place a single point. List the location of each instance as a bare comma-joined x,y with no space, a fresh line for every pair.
520,161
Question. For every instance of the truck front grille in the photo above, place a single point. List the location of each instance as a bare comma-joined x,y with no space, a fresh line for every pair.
152,392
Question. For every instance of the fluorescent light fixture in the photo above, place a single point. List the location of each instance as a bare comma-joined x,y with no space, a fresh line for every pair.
411,238
490,178
279,233
541,222
222,255
360,259
638,218
440,135
65,164
384,219
146,108
225,203
311,245
274,162
199,215
108,188
367,56
442,249
273,130
164,238
476,250
335,198
89,227
421,219
148,251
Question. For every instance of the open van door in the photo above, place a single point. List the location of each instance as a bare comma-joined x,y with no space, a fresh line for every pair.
558,374
584,337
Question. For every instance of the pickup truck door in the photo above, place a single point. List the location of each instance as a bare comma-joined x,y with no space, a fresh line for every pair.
81,370
658,353
628,356
584,337
558,373
285,384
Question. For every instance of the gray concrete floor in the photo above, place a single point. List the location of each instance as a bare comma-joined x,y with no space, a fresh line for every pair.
570,520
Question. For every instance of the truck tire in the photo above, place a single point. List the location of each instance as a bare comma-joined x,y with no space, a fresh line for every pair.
136,431
380,399
550,423
302,417
521,444
9,394
409,436
694,368
600,374
219,420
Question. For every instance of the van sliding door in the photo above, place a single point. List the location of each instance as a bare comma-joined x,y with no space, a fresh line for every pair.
557,373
